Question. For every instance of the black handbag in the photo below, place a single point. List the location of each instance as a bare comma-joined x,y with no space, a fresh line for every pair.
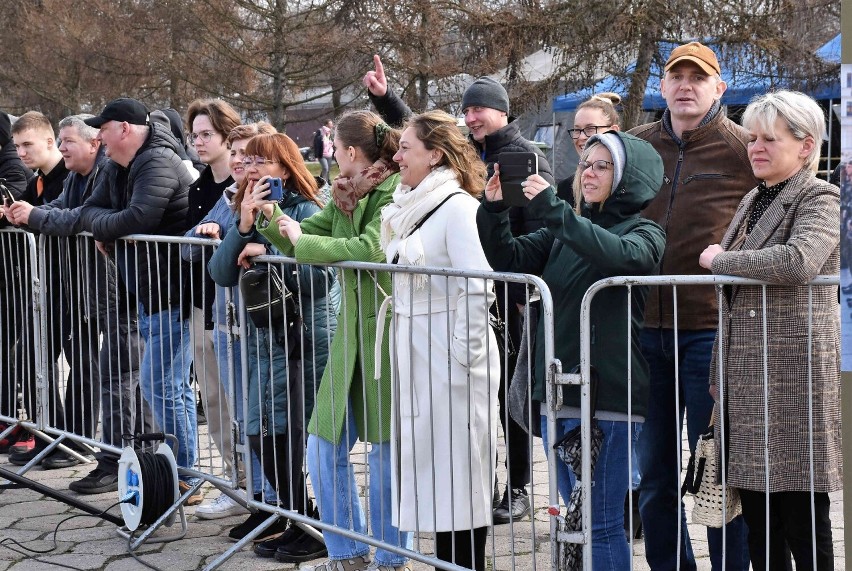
266,298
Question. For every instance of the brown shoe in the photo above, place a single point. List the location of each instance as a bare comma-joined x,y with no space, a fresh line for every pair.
195,498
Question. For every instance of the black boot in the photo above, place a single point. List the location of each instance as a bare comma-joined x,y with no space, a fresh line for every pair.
301,546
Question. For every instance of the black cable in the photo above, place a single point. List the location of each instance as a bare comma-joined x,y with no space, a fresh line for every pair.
8,542
159,486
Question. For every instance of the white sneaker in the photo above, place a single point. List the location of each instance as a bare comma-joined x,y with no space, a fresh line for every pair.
223,506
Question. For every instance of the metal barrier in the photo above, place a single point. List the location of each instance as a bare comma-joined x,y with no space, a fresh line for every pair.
20,317
399,432
727,555
108,357
129,325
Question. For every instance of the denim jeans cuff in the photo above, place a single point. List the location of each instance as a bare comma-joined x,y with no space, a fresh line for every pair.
388,559
337,557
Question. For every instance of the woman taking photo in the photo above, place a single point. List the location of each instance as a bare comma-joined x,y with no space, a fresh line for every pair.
351,403
447,430
602,236
785,232
280,379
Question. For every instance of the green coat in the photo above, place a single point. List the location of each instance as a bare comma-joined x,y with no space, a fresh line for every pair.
570,254
330,236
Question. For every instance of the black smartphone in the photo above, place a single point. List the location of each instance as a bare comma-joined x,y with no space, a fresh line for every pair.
276,189
514,169
6,194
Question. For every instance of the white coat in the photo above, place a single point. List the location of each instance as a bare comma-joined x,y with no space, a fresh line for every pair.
446,378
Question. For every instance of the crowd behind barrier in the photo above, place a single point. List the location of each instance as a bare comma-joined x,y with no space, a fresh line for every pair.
353,404
276,399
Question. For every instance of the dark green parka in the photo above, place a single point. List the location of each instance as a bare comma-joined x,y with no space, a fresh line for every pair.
570,254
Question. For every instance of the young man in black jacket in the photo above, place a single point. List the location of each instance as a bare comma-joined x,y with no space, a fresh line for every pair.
15,176
35,143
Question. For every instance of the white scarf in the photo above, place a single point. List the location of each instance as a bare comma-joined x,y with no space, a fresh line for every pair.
409,206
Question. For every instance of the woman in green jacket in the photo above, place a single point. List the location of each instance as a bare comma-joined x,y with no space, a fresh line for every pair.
350,403
602,236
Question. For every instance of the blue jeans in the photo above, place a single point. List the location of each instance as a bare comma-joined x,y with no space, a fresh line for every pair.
659,498
220,342
336,492
164,379
611,479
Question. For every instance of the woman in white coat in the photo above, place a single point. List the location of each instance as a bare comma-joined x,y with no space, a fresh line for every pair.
448,368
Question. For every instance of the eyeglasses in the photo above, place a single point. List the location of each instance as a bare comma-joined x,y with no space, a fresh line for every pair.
599,167
205,136
587,131
259,161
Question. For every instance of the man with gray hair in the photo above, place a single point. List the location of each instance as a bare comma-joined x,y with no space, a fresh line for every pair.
144,190
103,311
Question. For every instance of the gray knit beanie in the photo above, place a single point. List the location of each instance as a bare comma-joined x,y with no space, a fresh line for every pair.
615,146
485,92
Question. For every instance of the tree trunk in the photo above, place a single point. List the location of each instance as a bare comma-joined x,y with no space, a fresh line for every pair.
632,108
279,79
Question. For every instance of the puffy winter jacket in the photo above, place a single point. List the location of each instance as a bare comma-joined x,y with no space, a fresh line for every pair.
149,196
273,352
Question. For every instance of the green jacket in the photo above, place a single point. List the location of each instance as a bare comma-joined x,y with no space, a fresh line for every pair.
330,236
570,254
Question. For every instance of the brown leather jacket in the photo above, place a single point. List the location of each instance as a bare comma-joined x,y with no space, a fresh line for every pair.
704,181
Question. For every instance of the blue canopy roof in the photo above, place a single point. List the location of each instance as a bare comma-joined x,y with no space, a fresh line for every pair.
830,52
742,84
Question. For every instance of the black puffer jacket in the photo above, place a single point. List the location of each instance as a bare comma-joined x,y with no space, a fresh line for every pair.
12,168
149,196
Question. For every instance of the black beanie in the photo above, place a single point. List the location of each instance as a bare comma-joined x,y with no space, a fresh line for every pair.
485,92
5,129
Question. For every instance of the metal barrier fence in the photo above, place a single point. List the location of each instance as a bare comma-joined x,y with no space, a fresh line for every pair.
121,339
124,338
813,403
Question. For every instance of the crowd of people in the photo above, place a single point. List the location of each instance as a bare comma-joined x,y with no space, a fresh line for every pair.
407,361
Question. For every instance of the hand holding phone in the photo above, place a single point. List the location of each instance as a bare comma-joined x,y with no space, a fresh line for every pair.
276,189
515,168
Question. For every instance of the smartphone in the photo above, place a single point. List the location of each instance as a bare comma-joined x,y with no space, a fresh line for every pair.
276,189
514,169
5,194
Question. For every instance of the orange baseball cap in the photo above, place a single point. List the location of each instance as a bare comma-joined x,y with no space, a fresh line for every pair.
697,53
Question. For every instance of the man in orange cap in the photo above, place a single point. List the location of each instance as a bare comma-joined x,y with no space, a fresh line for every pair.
706,174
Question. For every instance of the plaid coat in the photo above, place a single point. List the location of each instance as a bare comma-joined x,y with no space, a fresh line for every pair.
796,239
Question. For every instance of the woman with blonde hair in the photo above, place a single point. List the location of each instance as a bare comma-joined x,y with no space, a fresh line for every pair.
447,428
597,114
785,232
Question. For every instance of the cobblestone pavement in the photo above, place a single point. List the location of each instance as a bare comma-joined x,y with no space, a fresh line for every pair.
92,544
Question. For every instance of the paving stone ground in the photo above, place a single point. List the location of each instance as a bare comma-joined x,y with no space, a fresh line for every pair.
92,544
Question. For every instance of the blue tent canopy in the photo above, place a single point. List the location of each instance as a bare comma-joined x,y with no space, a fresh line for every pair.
742,84
830,52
